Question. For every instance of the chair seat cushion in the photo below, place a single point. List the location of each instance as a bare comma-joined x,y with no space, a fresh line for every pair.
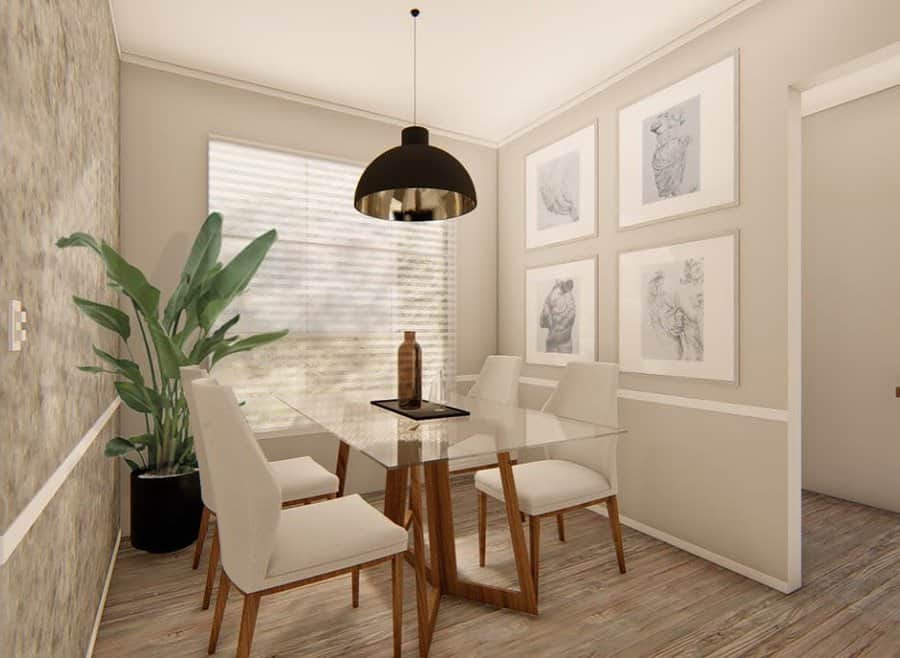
328,536
303,477
548,485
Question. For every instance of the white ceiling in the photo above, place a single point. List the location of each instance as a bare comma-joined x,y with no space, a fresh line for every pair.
487,68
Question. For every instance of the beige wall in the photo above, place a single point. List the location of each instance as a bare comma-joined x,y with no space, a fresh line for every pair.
781,42
851,293
58,174
166,122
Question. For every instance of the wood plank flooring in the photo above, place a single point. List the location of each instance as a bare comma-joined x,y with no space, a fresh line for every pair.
670,603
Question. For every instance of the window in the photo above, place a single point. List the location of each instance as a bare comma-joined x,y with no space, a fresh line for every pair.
345,285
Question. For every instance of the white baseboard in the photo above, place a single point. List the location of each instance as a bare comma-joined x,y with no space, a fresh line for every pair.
99,616
742,569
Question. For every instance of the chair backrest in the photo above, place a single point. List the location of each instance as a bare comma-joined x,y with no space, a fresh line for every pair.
190,374
498,380
248,497
588,392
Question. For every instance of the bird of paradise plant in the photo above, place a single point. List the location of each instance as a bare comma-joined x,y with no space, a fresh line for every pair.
184,332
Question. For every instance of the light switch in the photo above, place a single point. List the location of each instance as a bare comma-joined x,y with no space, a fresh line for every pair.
17,332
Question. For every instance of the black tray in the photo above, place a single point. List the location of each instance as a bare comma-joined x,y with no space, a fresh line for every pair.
428,410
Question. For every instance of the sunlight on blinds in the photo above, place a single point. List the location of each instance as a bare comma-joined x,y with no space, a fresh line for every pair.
345,285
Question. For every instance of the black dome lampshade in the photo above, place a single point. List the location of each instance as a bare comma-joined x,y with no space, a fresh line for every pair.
415,182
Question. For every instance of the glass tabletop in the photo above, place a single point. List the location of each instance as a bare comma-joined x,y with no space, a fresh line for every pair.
394,441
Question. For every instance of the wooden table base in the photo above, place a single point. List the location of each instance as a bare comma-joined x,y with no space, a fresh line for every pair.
441,570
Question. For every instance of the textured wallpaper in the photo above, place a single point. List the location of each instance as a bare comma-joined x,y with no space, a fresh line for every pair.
59,142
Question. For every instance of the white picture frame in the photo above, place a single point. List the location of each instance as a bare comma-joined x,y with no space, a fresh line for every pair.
679,148
560,190
678,309
561,313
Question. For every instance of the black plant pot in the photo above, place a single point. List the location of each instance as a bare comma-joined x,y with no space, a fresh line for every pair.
165,511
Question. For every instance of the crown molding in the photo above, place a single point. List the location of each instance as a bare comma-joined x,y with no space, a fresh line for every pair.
662,51
237,83
856,79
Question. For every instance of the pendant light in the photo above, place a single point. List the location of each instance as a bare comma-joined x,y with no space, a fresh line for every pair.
415,181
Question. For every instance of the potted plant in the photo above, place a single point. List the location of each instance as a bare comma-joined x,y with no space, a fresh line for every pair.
165,485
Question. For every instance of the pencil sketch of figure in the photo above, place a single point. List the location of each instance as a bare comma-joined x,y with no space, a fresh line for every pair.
672,142
673,311
557,184
558,317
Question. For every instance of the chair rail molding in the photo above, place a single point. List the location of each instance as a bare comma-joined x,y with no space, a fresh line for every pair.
16,531
715,406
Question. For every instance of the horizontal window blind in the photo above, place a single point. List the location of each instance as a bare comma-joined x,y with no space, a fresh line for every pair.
345,285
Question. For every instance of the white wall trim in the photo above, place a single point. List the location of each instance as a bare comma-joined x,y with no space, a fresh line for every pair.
133,58
715,406
699,551
20,526
794,457
102,605
236,83
115,29
655,55
860,77
762,413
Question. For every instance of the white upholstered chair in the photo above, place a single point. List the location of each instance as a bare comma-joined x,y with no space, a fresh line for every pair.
498,382
300,480
574,475
267,548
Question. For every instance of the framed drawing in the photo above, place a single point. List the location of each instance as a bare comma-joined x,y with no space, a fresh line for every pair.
678,148
560,190
560,313
678,309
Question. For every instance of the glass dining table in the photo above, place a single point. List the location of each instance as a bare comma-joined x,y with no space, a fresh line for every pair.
401,445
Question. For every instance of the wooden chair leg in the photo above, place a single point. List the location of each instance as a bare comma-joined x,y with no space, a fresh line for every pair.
201,536
354,576
561,527
211,568
248,624
482,527
397,588
221,602
612,509
534,533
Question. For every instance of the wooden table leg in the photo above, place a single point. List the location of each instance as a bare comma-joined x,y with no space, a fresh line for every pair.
395,487
341,469
441,534
427,614
516,534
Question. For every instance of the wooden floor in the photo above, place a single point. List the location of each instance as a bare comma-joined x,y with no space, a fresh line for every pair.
669,603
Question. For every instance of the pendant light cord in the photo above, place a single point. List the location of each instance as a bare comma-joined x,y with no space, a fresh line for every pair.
415,14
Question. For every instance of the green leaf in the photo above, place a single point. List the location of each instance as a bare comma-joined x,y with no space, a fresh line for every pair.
106,316
143,441
208,345
205,250
133,465
131,281
78,240
169,357
247,344
93,369
125,367
139,398
117,447
233,279
202,258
